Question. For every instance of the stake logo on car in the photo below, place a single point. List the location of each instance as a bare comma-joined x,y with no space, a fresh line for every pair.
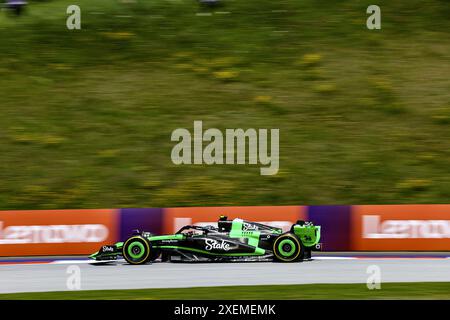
108,249
247,226
214,244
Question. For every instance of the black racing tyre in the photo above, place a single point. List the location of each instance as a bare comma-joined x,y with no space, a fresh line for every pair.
288,248
137,250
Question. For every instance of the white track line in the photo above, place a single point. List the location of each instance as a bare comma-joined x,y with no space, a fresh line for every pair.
71,261
334,258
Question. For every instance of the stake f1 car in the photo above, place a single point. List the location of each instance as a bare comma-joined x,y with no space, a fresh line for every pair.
232,240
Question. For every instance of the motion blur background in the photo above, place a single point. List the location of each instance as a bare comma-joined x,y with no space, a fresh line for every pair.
86,115
86,118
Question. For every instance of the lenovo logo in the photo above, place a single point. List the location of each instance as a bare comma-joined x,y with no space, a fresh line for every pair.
373,228
53,234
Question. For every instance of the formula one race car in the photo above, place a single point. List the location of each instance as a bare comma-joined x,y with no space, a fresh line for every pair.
231,240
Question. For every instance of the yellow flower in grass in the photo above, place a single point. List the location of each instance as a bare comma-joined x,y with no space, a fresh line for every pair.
59,66
226,75
183,66
108,153
311,59
150,183
222,62
35,189
23,138
201,70
414,184
426,156
37,138
381,84
182,55
325,88
51,139
263,99
118,35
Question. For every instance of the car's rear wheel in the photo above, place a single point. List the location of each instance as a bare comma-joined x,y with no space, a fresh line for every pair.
136,250
288,248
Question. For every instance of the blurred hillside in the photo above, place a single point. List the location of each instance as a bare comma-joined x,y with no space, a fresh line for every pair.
86,116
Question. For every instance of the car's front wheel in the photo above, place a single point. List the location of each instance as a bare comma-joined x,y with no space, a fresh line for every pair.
136,250
288,248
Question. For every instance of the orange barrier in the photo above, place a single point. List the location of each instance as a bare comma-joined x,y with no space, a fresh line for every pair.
56,232
358,228
279,216
400,227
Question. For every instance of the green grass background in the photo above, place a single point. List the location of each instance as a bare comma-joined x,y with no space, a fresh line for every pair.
420,291
86,116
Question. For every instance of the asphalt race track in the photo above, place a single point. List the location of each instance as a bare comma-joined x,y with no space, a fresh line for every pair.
325,269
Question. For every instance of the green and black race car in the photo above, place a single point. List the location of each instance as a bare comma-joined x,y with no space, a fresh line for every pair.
231,240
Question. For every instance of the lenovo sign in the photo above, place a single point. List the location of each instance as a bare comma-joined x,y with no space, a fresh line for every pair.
56,232
401,227
53,234
373,228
